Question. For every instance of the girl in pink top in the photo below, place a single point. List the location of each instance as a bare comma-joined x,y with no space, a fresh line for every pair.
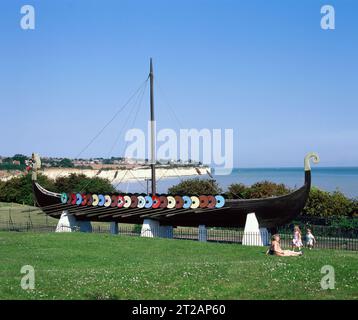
297,239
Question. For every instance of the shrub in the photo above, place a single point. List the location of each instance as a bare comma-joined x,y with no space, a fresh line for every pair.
19,189
238,191
355,208
66,163
264,189
348,223
268,189
323,203
195,186
81,183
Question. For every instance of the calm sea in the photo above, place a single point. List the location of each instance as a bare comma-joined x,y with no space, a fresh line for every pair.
344,179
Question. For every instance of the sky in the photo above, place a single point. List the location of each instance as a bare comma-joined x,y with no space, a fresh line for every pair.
265,69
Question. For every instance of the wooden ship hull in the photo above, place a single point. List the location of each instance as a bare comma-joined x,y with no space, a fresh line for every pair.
270,212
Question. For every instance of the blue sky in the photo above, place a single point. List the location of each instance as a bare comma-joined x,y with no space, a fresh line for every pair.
264,68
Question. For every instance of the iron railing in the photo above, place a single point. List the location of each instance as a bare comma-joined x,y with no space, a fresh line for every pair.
324,241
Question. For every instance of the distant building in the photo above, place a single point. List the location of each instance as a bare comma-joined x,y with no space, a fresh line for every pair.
80,163
16,162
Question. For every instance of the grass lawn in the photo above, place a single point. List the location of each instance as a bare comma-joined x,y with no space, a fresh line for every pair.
22,214
102,266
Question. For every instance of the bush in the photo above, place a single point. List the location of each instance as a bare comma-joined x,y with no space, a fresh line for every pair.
66,163
195,186
11,167
81,183
355,208
264,189
348,223
238,191
268,189
19,189
323,203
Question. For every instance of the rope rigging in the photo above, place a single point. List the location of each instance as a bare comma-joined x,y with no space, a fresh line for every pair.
136,105
107,124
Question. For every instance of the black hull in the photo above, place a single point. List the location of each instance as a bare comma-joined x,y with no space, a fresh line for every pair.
270,212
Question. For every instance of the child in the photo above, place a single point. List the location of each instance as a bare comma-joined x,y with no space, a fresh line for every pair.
310,239
297,239
276,250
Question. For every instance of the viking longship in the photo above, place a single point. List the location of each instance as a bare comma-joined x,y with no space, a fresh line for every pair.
211,210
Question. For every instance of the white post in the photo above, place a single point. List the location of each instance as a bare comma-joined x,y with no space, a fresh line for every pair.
202,233
253,235
150,228
67,222
114,227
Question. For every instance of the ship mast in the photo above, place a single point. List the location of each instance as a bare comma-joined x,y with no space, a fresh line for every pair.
152,129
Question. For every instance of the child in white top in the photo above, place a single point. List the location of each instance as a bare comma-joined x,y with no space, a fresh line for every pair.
310,239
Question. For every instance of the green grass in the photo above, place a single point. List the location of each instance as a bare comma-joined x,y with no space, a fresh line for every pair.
101,266
22,214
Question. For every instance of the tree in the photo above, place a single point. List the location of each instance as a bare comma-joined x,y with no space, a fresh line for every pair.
19,189
264,189
66,163
238,191
323,203
81,183
20,157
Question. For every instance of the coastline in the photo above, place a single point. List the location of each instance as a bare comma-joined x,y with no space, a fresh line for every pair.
129,175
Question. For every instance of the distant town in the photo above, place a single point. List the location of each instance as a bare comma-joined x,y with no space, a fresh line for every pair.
112,168
18,162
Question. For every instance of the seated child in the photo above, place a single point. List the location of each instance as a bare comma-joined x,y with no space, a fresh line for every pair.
275,248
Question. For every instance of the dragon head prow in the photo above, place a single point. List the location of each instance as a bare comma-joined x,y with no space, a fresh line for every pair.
315,158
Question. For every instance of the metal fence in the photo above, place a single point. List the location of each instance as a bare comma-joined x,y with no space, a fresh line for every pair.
326,240
25,227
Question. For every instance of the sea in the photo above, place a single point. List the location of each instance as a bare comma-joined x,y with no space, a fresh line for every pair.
344,179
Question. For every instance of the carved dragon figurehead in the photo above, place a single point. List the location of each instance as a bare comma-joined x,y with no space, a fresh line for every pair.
312,155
